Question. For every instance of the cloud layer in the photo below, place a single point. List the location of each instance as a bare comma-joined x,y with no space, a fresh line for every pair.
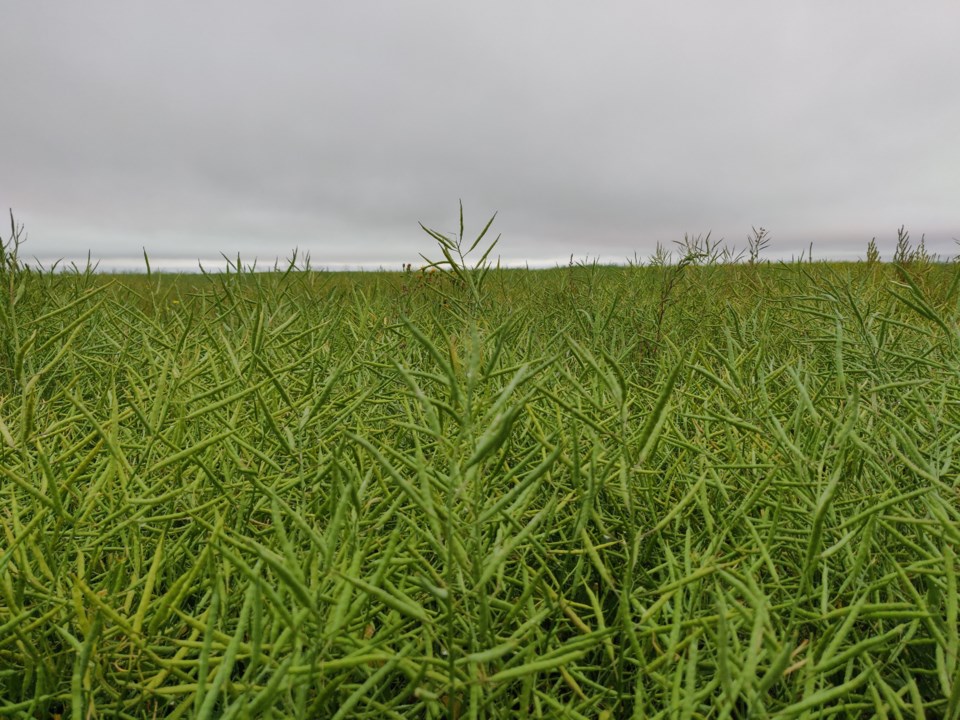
599,130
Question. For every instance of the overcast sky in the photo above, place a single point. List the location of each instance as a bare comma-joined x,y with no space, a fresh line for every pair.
595,129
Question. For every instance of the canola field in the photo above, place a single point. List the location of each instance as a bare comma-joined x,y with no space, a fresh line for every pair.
687,489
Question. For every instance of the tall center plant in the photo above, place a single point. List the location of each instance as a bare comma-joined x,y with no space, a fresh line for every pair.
469,279
460,419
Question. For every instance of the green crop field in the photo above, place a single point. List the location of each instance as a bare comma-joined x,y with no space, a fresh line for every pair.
687,489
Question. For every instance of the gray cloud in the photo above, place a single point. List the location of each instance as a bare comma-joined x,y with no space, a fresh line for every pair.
594,130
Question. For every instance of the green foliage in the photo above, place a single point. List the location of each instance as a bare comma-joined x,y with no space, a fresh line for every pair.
13,276
681,490
908,254
469,280
756,244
